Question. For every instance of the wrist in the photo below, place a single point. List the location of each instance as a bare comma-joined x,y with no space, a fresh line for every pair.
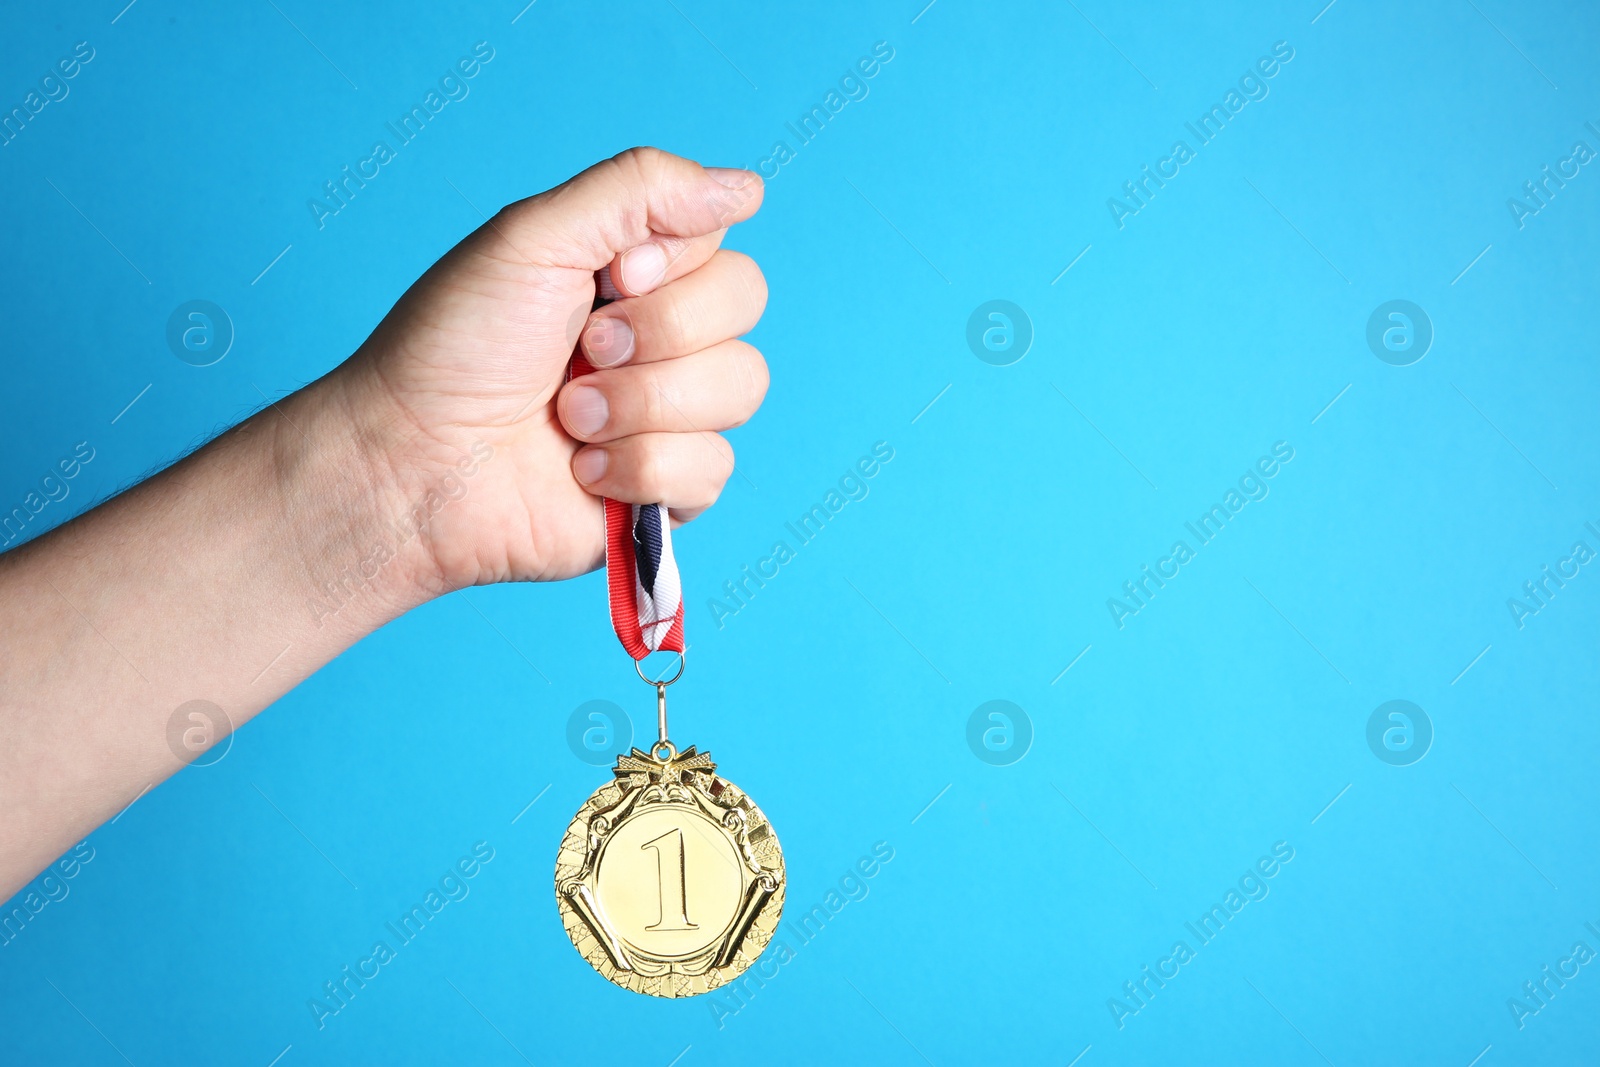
358,517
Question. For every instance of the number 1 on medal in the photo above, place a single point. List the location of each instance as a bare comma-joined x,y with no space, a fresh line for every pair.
677,905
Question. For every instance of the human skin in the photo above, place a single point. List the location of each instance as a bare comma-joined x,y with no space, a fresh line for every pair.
228,576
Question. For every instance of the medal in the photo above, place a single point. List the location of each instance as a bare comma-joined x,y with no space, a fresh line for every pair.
669,880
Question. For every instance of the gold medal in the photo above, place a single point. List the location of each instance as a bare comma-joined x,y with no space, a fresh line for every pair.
670,880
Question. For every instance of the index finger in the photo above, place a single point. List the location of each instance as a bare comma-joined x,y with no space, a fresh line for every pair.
735,196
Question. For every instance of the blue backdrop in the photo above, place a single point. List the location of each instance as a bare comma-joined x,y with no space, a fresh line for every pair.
1196,831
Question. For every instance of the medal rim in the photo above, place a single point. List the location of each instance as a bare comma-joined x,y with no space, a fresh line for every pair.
761,926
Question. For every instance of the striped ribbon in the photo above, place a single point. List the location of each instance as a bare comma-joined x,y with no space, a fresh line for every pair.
641,571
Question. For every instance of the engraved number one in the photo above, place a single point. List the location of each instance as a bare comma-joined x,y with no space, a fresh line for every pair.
674,906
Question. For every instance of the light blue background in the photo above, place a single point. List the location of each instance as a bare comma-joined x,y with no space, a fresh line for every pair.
1222,719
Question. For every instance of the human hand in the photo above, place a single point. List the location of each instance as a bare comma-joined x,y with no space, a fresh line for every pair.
476,353
450,450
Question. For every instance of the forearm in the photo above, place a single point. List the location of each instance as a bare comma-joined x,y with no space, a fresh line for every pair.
210,581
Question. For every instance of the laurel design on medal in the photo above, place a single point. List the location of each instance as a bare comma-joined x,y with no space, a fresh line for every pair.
670,880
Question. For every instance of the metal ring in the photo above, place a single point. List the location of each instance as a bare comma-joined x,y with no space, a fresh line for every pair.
638,669
672,750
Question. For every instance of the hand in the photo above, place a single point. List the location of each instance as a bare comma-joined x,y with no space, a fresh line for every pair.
473,362
450,450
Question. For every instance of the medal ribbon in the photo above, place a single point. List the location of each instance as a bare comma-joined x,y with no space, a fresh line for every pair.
641,572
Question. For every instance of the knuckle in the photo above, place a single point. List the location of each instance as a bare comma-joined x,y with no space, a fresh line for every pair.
710,475
672,325
643,158
649,469
653,401
752,378
750,276
714,475
760,374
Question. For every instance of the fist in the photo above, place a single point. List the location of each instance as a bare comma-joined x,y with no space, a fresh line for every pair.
470,370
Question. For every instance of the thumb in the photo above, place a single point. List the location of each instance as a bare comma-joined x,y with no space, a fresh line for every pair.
641,195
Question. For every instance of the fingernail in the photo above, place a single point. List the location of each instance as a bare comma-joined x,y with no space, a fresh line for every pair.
608,341
587,410
643,267
732,177
589,465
